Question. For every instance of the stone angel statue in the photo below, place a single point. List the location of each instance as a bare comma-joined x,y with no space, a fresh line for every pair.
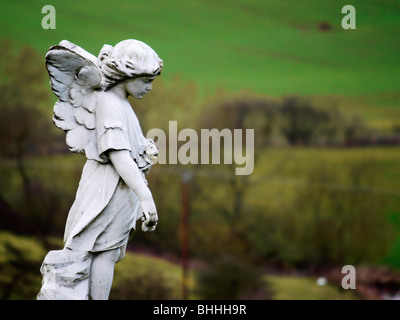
93,110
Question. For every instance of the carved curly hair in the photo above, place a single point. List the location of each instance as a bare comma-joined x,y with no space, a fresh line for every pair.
128,59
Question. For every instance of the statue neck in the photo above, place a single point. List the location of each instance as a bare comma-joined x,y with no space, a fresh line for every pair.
119,90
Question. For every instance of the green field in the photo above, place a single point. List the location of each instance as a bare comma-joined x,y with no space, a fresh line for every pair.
268,47
271,47
135,274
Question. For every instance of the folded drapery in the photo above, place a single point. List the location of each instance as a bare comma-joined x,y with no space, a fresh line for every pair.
65,275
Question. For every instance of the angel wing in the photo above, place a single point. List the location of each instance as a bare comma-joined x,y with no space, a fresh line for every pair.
74,79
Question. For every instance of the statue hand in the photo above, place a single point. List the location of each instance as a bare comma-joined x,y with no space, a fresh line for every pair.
150,217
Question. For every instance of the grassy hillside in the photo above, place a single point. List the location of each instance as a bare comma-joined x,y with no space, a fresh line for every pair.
271,47
282,174
279,176
138,276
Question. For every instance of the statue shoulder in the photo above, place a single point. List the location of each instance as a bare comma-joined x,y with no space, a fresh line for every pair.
110,110
106,100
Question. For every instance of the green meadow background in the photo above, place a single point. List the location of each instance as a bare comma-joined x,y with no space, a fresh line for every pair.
308,208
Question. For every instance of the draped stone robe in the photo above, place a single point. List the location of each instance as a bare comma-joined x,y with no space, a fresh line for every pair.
105,210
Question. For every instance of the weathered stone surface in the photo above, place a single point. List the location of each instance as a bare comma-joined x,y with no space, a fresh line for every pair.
94,111
66,275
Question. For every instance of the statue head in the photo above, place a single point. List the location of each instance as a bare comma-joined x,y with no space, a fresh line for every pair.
127,60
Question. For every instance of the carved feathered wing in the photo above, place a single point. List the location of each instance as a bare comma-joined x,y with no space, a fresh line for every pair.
74,79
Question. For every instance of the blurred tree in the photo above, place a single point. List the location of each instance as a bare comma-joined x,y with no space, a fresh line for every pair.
149,285
303,123
244,112
228,278
25,129
336,219
20,260
301,120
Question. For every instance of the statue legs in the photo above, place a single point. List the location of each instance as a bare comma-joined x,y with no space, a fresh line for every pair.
102,273
78,275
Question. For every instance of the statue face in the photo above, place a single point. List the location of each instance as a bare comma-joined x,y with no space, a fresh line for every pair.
138,87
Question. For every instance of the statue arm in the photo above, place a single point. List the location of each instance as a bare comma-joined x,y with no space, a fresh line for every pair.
130,173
